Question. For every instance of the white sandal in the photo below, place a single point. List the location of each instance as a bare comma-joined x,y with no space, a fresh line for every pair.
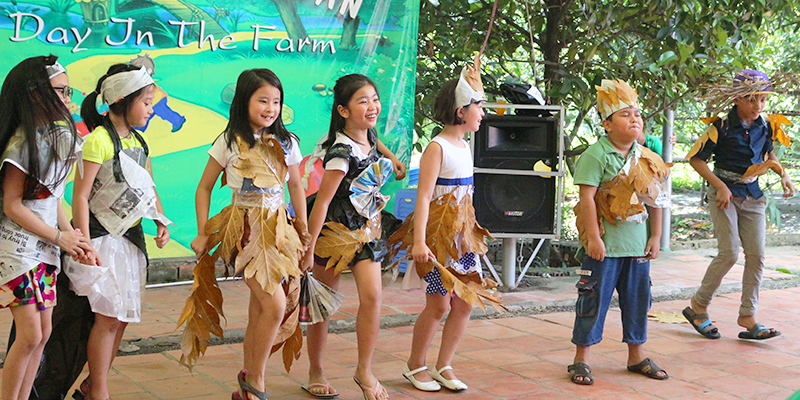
431,386
452,384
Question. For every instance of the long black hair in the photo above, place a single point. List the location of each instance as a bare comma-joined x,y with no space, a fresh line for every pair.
93,119
344,90
239,122
28,102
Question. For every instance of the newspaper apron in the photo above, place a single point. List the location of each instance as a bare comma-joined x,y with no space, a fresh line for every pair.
114,289
22,250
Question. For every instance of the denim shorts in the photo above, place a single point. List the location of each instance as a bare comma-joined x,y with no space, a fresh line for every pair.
630,276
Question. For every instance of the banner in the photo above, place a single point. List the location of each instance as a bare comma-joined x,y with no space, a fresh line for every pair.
198,48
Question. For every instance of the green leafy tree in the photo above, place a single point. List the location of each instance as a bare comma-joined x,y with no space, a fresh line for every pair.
666,48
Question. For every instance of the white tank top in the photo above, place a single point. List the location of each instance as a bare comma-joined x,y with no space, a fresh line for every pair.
455,173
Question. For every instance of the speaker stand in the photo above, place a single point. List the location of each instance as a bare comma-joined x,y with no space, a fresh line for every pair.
509,263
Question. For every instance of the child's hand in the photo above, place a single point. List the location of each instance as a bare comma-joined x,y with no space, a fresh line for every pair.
162,235
399,169
420,253
91,257
307,261
596,249
74,243
788,187
198,245
724,197
653,248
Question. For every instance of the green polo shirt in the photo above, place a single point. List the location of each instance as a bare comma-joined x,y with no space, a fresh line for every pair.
597,165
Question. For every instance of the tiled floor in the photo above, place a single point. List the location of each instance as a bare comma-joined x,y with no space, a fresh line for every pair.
520,357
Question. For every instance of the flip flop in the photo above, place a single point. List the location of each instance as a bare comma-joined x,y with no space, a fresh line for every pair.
706,328
374,391
754,333
649,369
326,395
248,388
80,393
580,369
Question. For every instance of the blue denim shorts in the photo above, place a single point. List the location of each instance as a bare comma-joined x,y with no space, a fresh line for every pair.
630,277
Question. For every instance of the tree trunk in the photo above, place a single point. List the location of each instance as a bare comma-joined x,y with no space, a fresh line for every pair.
349,30
294,26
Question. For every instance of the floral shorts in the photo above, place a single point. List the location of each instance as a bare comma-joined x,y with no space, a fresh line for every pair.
37,286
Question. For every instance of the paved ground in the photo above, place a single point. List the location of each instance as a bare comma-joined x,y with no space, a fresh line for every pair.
520,355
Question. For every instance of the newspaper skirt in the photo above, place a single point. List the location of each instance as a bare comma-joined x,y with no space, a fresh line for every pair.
115,288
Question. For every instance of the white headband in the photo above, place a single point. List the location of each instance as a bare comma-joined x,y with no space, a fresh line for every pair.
466,94
120,85
54,70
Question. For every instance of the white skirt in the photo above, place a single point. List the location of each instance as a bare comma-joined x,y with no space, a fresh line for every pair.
115,288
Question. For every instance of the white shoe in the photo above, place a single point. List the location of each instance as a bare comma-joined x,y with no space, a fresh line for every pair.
452,384
431,386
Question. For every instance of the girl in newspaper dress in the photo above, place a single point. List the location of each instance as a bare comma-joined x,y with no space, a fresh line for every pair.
444,220
348,207
109,201
39,144
257,155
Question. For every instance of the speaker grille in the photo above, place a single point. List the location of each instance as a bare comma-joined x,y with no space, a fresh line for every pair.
515,203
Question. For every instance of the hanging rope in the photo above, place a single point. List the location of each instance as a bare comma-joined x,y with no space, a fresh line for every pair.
489,32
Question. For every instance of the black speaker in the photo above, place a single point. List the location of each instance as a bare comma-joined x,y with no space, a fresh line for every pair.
515,203
516,137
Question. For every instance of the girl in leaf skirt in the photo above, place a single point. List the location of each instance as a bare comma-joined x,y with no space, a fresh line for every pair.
257,156
348,209
445,240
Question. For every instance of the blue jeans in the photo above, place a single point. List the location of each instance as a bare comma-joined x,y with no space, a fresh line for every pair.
630,276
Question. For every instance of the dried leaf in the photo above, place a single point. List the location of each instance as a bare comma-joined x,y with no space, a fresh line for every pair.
340,245
666,317
263,163
226,229
471,288
756,170
289,335
263,258
202,312
776,120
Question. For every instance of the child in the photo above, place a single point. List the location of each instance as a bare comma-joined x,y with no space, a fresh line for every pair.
348,204
109,201
257,155
738,140
618,252
39,144
446,177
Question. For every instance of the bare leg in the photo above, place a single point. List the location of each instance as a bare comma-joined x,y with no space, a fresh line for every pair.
318,335
368,282
265,314
454,329
101,351
22,360
424,329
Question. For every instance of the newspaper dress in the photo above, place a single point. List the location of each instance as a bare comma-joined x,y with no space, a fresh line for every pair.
116,209
255,235
22,250
356,225
452,233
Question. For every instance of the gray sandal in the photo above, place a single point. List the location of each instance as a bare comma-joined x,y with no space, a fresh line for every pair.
706,328
580,369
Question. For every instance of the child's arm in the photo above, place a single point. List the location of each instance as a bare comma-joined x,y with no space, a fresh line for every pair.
327,188
90,256
202,200
82,188
399,167
429,167
72,242
786,181
654,242
297,194
724,194
162,232
595,247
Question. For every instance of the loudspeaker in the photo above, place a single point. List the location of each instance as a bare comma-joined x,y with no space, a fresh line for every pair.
522,203
516,137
